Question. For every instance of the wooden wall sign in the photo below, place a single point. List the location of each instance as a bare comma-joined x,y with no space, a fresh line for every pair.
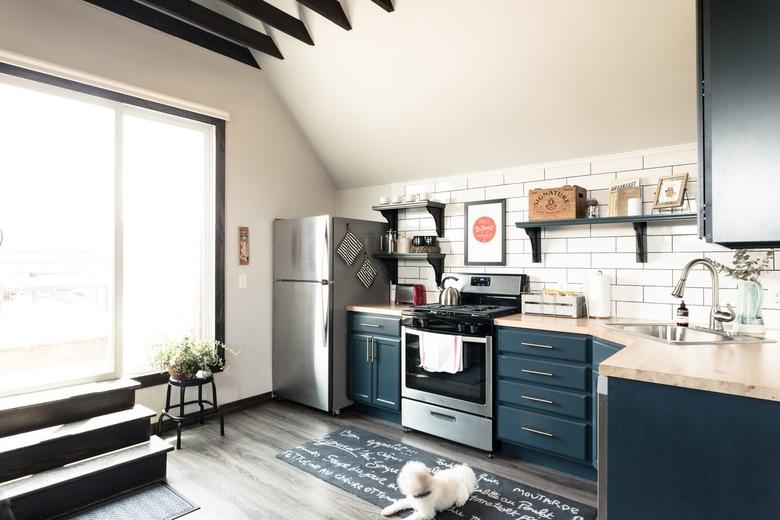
243,245
566,202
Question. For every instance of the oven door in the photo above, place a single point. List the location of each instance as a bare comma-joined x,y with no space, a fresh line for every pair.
470,390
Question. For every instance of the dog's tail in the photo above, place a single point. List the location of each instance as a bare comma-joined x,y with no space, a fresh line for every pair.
468,483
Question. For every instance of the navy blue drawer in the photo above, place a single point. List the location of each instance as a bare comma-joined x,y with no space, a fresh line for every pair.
603,349
373,324
562,436
561,402
570,347
553,373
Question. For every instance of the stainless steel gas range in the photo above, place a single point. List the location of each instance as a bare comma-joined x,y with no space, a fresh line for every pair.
447,360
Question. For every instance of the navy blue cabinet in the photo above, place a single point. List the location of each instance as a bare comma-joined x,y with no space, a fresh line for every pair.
374,361
547,397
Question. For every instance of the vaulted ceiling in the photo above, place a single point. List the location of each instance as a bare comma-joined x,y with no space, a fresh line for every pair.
441,87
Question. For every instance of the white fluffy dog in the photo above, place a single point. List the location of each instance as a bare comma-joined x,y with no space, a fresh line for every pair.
428,494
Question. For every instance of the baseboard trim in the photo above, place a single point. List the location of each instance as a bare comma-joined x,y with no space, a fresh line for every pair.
226,409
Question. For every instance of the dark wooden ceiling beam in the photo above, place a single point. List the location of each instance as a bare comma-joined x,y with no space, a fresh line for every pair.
175,27
330,9
274,17
387,5
217,23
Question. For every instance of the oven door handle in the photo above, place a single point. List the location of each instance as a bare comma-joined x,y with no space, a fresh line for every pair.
466,339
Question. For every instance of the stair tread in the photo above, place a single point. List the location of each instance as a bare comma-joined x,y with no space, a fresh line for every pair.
62,394
51,433
31,484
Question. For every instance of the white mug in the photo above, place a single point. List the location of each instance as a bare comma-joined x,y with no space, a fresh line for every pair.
634,206
398,198
411,197
384,199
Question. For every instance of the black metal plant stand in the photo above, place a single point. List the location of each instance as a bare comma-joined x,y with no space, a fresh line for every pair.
213,407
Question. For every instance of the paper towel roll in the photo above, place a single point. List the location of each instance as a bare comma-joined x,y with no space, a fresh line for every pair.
598,295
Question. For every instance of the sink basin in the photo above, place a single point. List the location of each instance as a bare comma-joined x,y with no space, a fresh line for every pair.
668,333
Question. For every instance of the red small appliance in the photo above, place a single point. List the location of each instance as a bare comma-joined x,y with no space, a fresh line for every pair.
418,294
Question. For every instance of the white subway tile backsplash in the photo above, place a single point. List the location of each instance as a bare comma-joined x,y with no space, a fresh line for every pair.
485,179
567,170
468,195
616,164
591,245
627,293
571,253
505,191
451,184
516,175
592,182
646,277
670,157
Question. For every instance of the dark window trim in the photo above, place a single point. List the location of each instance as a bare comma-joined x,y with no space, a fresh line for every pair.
219,210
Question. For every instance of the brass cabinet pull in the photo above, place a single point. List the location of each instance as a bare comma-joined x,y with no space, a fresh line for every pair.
537,399
536,372
537,432
537,345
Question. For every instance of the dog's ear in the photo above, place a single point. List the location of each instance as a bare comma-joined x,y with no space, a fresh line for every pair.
415,479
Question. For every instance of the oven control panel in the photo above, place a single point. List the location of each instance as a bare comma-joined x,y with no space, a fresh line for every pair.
480,281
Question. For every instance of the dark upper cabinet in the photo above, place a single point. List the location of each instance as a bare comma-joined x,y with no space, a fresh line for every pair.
739,121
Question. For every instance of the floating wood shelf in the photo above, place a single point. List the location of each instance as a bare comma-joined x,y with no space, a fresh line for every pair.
534,229
391,259
436,209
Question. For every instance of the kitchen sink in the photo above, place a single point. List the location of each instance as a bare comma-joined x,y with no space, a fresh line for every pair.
668,333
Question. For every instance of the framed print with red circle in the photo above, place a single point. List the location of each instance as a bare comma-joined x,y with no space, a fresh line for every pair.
485,232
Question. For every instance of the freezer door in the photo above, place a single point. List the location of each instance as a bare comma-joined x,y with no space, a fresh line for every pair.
302,346
302,248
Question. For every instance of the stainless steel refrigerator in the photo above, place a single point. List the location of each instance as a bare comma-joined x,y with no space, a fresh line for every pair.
312,287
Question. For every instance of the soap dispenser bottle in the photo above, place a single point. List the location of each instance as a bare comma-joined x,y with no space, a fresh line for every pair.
682,315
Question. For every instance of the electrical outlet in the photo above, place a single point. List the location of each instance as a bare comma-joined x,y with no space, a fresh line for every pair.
242,281
777,297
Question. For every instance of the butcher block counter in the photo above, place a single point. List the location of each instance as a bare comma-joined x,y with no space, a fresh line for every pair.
748,369
388,309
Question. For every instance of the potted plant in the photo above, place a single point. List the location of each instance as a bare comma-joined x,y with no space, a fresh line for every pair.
747,271
184,358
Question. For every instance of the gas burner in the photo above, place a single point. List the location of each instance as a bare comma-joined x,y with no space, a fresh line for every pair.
482,311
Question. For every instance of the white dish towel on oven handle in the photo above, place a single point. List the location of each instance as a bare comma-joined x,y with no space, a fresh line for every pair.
441,352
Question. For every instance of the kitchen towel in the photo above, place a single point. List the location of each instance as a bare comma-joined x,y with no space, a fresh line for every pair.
441,352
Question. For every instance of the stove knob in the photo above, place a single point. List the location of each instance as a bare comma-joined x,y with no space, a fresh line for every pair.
423,322
473,328
461,327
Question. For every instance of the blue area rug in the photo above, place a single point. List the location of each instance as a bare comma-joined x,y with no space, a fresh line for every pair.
367,465
155,502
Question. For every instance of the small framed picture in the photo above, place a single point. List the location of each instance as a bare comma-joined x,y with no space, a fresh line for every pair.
670,191
484,232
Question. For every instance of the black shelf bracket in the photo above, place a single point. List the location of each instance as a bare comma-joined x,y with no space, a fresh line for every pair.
436,209
391,261
535,234
391,215
640,229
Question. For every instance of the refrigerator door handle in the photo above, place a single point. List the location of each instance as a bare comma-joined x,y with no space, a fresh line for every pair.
321,282
324,295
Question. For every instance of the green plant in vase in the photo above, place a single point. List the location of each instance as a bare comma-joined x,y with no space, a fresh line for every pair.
183,358
747,271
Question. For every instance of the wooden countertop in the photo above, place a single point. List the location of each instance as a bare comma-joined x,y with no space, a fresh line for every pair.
748,370
389,308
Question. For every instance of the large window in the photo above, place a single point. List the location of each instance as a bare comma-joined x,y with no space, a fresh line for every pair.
107,234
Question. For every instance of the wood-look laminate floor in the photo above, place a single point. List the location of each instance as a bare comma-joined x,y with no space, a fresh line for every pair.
238,477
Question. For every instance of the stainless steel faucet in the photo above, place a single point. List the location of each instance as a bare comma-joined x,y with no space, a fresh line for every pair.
717,315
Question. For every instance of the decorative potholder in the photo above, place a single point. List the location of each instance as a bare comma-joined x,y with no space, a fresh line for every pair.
350,247
366,274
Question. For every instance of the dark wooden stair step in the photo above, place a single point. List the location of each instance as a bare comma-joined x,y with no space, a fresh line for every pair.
33,411
68,488
40,450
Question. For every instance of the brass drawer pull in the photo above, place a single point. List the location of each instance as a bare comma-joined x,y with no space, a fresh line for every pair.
537,399
537,345
535,372
537,432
